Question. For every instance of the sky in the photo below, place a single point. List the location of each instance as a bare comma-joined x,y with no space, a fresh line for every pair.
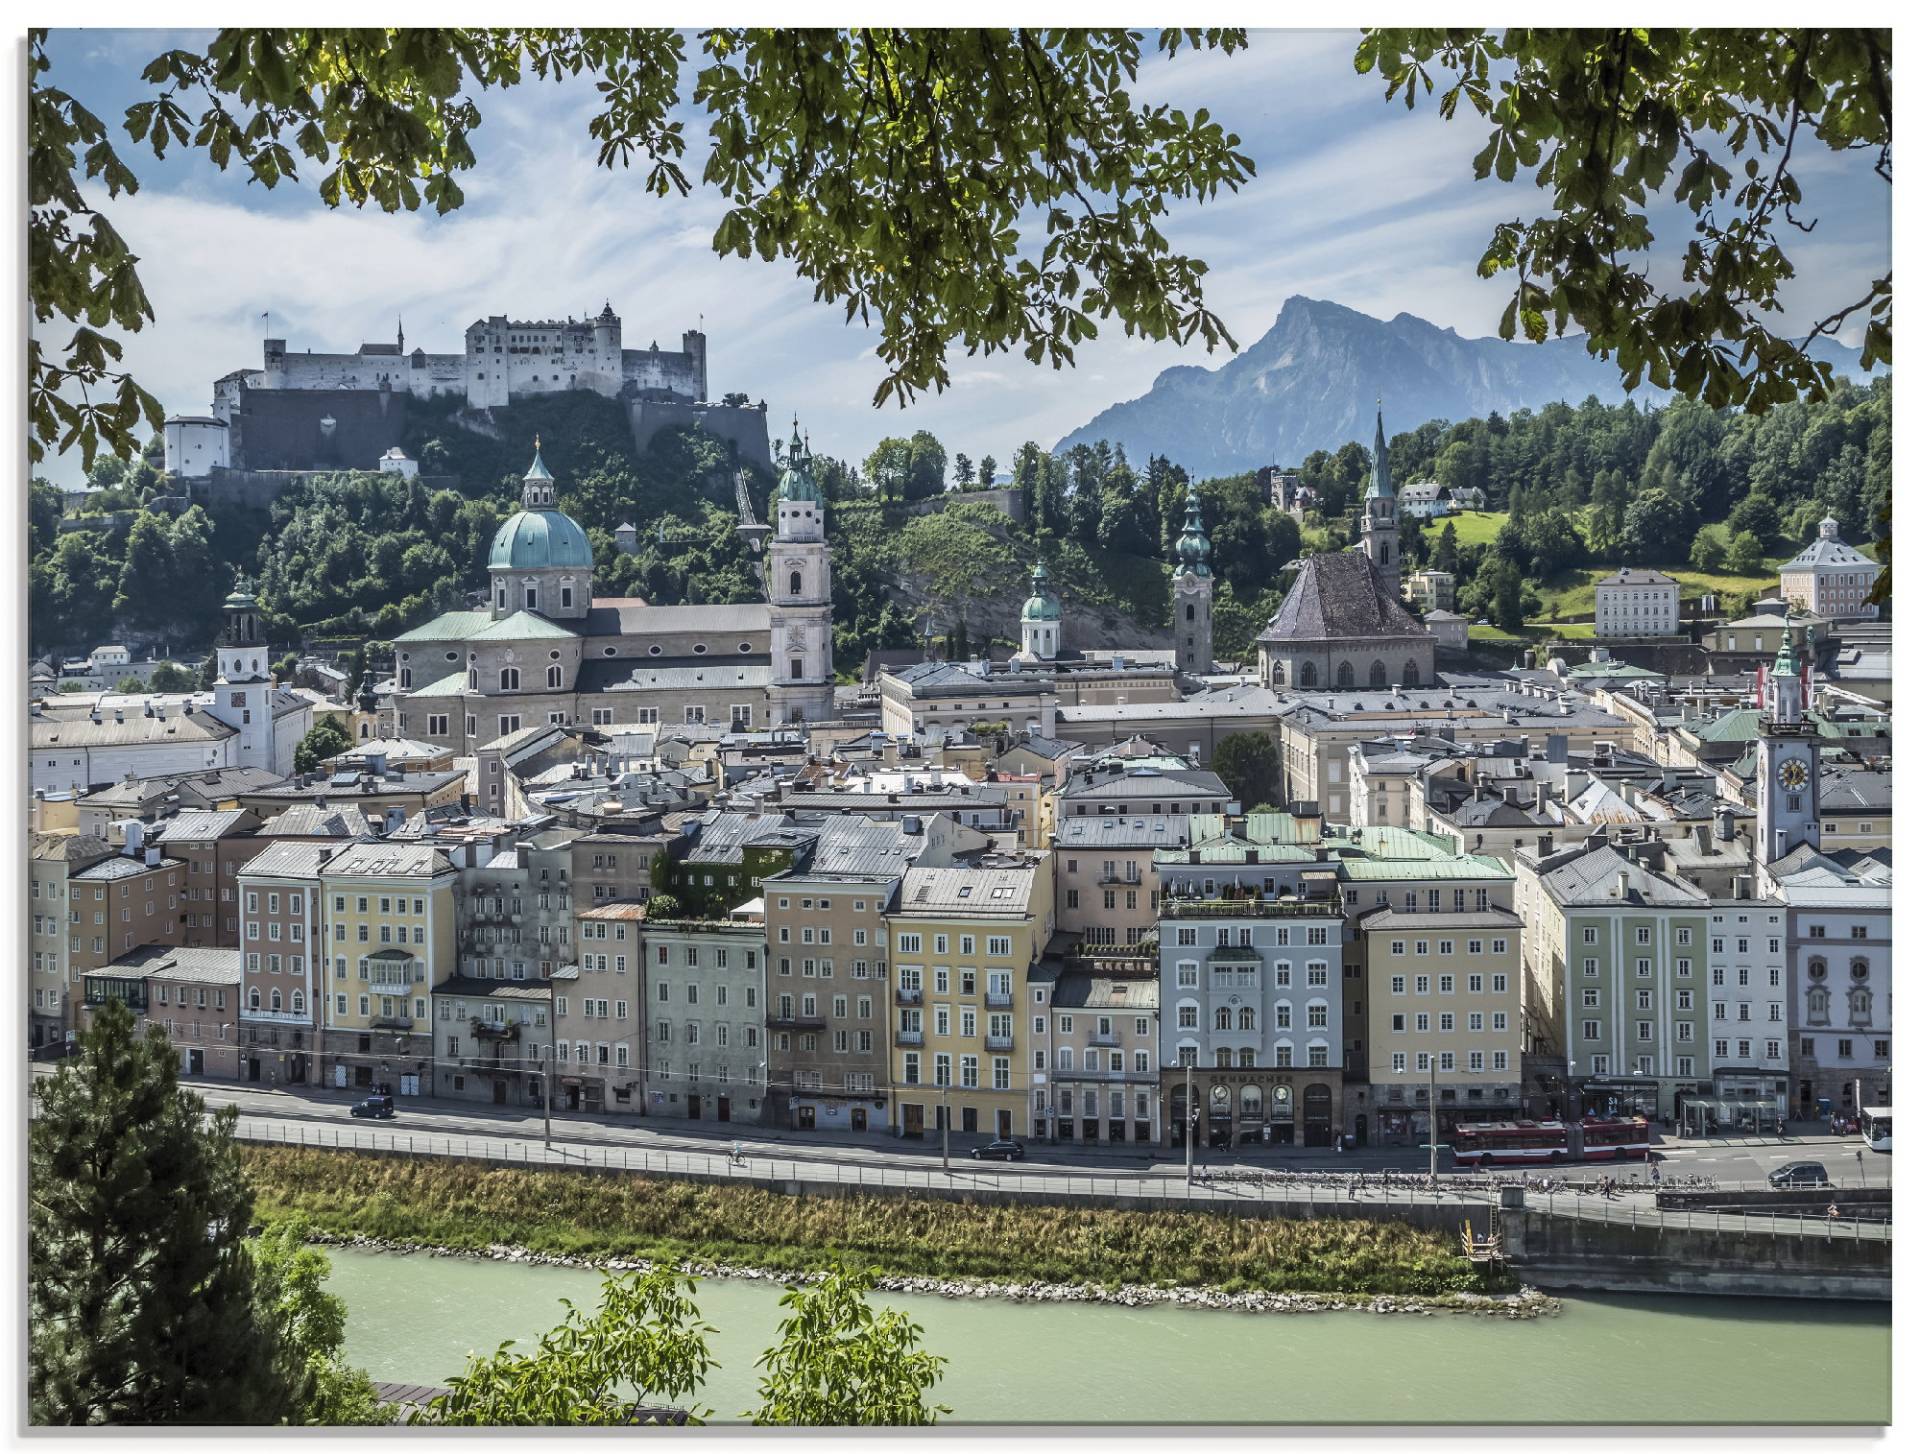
1355,200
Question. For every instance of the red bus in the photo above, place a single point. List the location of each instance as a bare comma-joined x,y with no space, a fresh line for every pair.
1614,1138
1509,1143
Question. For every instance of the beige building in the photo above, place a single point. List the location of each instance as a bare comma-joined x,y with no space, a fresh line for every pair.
831,1072
1830,578
192,993
1106,889
53,859
964,943
599,1015
1447,1016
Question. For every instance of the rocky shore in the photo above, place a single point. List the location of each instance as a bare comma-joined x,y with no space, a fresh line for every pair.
1526,1303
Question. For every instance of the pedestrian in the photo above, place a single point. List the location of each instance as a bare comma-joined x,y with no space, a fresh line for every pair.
1353,1184
1653,1171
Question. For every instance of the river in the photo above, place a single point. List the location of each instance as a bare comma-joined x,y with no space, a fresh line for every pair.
1608,1359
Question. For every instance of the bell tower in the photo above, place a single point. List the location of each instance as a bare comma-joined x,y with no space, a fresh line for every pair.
1787,762
1193,594
800,595
243,688
1380,512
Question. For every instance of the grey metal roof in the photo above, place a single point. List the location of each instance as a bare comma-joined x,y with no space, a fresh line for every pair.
468,987
383,860
640,619
177,963
1077,990
349,784
80,848
308,820
1495,918
136,730
195,826
1340,594
1122,830
676,673
120,866
972,892
288,860
1588,880
1636,576
1856,789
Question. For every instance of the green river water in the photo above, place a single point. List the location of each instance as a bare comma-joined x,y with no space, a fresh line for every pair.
1609,1359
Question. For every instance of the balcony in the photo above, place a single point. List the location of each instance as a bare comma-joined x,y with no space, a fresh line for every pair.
909,1038
999,1042
1233,954
797,1021
391,1022
1137,1077
487,1030
487,1062
904,996
390,986
999,999
1108,1038
1179,908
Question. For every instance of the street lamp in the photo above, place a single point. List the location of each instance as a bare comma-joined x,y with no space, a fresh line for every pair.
1433,1114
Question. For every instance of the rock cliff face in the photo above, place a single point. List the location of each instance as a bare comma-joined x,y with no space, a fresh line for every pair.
1310,383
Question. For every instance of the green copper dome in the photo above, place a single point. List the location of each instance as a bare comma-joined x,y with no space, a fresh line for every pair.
796,480
539,536
540,540
1042,605
1193,547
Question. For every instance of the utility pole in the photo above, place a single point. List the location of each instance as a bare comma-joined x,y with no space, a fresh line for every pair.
1433,1121
1192,1121
946,1127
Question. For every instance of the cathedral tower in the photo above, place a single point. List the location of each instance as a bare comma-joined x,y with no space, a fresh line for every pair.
1380,517
800,593
243,689
1193,594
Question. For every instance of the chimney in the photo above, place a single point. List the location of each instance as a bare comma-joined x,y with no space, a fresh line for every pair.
153,855
134,836
1723,825
1621,880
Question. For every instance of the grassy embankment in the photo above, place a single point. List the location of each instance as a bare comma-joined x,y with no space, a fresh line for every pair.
469,1207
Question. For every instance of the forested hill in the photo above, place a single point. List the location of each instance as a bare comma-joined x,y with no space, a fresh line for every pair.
1311,380
1570,491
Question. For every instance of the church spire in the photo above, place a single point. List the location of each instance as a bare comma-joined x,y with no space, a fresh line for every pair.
1382,486
1193,549
536,488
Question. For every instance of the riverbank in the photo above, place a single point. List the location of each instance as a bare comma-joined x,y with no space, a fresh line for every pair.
1060,1253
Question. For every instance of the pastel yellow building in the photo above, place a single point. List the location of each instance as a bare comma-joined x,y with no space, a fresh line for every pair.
964,943
388,925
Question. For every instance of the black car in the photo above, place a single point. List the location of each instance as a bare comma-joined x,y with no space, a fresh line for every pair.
1798,1173
999,1150
378,1107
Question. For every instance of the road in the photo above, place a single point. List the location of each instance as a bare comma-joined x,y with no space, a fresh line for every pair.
1728,1160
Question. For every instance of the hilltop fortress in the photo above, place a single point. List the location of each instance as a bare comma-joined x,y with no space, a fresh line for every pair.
308,411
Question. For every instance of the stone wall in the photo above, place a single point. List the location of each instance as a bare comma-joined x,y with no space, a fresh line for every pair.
280,429
1008,501
742,425
1763,1257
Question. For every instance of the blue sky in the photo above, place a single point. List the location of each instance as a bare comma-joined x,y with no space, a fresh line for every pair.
1355,200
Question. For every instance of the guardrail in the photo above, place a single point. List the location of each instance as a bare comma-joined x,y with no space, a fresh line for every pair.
1601,1209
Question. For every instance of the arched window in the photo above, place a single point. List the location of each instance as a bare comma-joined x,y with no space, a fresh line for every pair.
1248,1059
1857,971
509,678
275,1001
1377,675
1817,1006
1189,610
1223,1018
553,677
1246,1017
299,1002
1308,676
1344,676
793,583
253,999
1410,673
473,678
1219,1100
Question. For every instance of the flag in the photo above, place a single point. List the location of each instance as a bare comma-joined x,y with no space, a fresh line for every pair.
1760,687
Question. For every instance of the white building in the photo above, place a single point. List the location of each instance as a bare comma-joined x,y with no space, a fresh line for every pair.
1635,602
1425,500
1839,911
396,462
1747,1028
1830,578
196,445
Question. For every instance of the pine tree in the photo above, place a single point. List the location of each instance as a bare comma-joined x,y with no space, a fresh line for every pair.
141,1296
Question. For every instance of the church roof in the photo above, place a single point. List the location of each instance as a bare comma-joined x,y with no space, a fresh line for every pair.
1382,486
637,618
1338,595
522,626
540,540
448,626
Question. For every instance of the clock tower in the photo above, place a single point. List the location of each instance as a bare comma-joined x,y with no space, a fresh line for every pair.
1787,767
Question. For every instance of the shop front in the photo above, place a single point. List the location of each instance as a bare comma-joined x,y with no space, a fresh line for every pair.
1249,1107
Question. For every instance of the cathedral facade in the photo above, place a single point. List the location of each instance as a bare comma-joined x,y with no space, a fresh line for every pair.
545,650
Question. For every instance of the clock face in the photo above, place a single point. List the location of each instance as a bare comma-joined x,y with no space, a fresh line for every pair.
1793,773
